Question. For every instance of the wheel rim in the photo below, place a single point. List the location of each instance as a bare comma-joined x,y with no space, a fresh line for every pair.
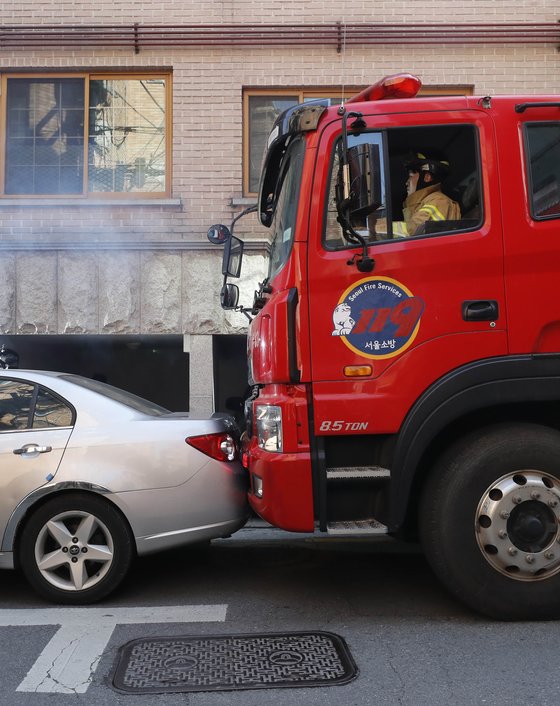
74,551
518,525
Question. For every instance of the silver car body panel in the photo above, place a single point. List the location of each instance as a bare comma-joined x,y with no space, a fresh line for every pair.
6,560
24,473
35,496
170,492
167,517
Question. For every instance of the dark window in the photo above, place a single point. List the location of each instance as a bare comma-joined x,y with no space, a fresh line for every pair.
50,411
543,148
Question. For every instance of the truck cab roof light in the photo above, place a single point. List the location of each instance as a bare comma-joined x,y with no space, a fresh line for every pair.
395,86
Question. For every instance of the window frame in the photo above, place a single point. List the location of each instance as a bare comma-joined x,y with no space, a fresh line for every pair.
88,76
529,171
384,132
36,388
311,93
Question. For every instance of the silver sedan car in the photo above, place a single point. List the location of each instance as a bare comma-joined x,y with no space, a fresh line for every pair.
93,476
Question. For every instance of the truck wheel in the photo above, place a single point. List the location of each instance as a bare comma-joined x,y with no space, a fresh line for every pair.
490,521
75,549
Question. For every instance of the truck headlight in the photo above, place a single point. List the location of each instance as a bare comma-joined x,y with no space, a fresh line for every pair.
269,427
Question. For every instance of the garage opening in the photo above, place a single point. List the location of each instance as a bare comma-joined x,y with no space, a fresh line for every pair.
154,367
229,353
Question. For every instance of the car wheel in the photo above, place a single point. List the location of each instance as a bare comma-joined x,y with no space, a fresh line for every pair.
490,521
75,549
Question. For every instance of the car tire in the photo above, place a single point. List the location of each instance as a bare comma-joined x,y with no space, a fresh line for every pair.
76,549
490,521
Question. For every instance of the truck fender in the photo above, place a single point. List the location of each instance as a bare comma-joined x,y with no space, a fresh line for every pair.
474,387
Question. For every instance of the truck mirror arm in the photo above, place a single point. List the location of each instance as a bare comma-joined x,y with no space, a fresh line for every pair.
344,198
364,263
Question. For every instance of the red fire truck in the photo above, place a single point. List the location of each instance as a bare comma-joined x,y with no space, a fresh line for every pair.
406,379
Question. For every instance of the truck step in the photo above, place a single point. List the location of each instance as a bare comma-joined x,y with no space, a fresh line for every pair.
357,472
357,527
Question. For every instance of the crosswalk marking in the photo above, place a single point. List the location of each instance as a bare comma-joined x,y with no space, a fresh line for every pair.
68,662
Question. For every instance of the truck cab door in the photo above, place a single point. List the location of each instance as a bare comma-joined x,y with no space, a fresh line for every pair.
434,300
529,145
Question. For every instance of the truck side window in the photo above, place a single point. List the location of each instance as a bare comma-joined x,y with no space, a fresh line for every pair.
431,185
543,152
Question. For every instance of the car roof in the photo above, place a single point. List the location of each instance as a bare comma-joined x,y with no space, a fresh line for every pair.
23,372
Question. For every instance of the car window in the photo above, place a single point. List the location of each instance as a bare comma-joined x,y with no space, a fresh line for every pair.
16,398
51,411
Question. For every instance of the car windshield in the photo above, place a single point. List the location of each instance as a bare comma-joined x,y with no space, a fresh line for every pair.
284,219
123,397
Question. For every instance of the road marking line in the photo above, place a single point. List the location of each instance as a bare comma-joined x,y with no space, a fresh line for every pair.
68,662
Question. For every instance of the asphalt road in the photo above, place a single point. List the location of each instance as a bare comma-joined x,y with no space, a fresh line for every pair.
412,643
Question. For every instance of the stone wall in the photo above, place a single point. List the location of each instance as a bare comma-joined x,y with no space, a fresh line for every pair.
119,292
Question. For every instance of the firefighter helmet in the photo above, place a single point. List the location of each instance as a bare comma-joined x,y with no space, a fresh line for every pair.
421,163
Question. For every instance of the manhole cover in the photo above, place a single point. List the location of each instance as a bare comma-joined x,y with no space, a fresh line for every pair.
229,662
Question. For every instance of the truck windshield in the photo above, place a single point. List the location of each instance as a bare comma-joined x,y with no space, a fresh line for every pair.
282,228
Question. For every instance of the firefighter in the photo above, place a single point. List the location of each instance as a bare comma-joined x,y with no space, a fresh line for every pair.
425,200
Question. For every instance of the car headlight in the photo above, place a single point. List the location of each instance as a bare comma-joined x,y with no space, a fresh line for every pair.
269,427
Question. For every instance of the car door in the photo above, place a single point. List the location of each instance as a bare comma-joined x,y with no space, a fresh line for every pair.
35,426
434,301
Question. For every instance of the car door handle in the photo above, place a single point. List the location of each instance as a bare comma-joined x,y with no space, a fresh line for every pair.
480,310
32,449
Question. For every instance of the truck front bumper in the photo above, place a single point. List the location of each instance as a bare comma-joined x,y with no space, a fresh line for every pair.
281,489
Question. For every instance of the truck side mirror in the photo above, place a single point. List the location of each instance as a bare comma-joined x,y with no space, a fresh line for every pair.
229,296
364,167
233,256
218,234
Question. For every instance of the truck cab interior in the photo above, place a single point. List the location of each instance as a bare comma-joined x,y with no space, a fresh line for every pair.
456,144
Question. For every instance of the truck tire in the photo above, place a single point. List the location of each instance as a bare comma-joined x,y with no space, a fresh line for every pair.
490,521
75,549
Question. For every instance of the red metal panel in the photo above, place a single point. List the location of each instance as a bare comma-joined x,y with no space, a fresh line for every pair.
436,271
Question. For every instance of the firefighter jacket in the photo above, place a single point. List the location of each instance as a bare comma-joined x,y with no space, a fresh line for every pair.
427,204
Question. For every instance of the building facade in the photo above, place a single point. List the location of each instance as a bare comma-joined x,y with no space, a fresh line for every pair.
127,130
